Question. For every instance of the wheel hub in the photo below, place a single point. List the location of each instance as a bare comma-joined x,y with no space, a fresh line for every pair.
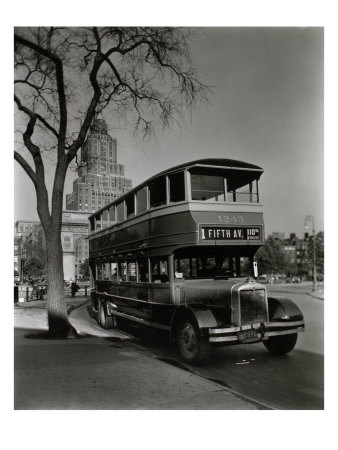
189,338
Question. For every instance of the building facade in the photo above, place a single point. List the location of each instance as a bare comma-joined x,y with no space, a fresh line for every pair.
101,179
26,236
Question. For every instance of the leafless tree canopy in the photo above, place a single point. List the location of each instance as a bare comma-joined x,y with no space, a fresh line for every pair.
72,73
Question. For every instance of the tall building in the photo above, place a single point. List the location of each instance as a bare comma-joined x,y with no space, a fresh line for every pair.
101,179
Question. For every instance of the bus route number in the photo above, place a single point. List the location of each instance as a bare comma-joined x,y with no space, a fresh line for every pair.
231,219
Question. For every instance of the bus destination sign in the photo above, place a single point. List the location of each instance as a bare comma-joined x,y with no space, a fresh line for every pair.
230,233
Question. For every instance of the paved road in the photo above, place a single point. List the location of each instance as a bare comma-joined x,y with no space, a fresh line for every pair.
294,381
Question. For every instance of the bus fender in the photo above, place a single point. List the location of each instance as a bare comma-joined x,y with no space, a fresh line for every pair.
283,308
202,315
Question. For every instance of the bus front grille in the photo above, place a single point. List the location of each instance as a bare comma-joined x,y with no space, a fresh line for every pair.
253,306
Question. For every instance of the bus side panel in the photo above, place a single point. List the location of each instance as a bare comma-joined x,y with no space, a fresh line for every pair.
140,299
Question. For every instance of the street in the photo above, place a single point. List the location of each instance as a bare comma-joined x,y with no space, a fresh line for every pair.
264,381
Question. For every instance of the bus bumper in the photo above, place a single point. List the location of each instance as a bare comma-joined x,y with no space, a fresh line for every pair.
254,332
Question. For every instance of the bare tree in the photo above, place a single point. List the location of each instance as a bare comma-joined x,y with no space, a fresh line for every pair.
63,77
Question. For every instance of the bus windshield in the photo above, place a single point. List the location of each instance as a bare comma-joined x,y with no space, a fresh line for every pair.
213,265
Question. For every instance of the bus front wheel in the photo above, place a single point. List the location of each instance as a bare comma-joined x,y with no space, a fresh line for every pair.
194,348
280,345
104,320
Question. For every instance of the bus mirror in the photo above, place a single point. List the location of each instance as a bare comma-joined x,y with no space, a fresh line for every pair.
255,268
178,275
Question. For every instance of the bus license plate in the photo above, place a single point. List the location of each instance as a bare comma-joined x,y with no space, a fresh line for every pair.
248,336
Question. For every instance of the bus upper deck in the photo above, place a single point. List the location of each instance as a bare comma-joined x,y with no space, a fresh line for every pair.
204,202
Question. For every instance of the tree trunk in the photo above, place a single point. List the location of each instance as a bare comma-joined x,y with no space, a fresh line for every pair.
58,321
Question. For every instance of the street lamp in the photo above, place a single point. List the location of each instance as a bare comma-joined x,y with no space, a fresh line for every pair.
311,219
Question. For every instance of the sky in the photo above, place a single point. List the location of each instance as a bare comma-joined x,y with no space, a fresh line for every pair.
265,107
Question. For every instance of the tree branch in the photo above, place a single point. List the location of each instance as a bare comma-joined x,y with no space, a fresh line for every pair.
60,87
26,167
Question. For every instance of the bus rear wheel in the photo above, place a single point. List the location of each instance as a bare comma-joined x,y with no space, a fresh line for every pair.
280,345
194,348
104,320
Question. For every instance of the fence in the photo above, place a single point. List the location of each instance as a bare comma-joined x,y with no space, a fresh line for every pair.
24,293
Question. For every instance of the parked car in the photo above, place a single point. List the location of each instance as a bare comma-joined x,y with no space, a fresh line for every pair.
296,280
263,279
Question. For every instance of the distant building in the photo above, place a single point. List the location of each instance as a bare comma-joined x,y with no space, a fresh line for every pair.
25,243
296,252
101,179
278,235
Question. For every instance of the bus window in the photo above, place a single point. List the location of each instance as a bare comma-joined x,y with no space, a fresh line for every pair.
120,211
246,194
141,200
130,205
104,218
99,271
157,192
113,271
207,187
106,271
112,214
245,266
182,265
122,270
131,271
243,194
92,224
176,186
143,270
98,222
159,270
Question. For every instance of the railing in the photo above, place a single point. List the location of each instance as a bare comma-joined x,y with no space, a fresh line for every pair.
28,293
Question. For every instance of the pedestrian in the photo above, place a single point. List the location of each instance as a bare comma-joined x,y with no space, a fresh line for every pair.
74,288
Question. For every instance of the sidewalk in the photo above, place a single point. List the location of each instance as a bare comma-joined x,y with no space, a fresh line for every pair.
99,373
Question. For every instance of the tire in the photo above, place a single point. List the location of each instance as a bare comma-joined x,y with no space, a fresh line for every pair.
280,345
105,321
194,348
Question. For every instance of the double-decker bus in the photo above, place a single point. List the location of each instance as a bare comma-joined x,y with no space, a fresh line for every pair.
176,253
